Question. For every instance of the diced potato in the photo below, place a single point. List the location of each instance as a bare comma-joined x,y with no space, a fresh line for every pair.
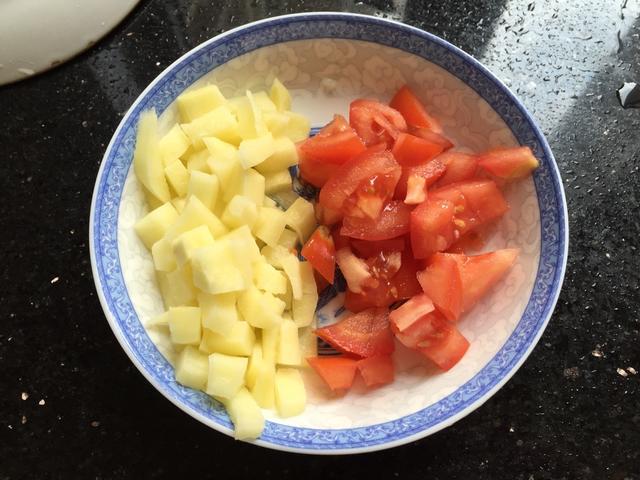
153,226
285,155
287,298
177,287
276,123
268,279
288,347
280,96
301,217
184,325
268,202
195,214
291,396
260,309
238,342
192,368
161,320
308,342
214,271
220,122
285,198
275,255
304,309
195,103
198,162
219,312
270,338
307,278
226,375
288,239
240,211
189,241
246,415
291,266
178,203
254,363
147,161
298,127
178,177
253,185
264,103
243,238
205,187
225,163
263,389
256,150
269,225
163,258
173,145
277,181
152,201
250,122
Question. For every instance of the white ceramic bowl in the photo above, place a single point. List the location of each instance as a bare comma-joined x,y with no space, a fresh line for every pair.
362,56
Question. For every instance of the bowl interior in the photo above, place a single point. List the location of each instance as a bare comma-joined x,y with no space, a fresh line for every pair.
325,74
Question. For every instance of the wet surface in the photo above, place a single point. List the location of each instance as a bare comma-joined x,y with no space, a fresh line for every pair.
73,406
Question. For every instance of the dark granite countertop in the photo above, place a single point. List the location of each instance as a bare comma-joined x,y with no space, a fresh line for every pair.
73,406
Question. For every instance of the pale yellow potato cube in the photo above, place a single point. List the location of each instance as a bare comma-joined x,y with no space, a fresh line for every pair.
198,161
287,298
195,214
185,325
288,239
291,395
276,123
197,102
178,203
226,375
177,287
152,201
205,187
188,242
260,309
177,176
283,156
192,368
244,239
246,415
214,270
253,185
264,103
154,225
277,181
301,217
307,278
173,145
225,163
291,267
256,150
250,122
268,279
268,202
147,161
280,96
275,255
162,254
254,363
263,389
285,198
219,150
161,320
298,127
240,211
270,338
269,225
308,341
304,309
238,342
288,347
219,312
220,122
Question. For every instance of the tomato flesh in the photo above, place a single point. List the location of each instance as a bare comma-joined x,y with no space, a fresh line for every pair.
394,221
315,172
410,312
432,227
406,102
509,163
321,253
337,372
376,371
433,137
376,122
336,143
366,249
460,167
410,150
442,282
430,171
364,334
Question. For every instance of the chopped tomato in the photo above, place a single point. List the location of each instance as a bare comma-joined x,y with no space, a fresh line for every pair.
480,272
433,137
336,143
410,312
355,270
376,371
460,167
393,221
339,124
470,241
321,282
321,253
376,122
416,190
364,334
362,185
405,283
406,102
430,171
327,216
340,241
441,281
410,150
366,249
338,372
384,265
315,172
432,227
509,163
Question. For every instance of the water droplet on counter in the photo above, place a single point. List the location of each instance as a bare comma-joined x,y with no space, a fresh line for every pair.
629,95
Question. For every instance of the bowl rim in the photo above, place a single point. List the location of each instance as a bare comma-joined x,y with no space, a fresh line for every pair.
425,36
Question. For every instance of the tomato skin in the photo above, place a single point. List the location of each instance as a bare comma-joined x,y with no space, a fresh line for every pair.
321,253
410,312
321,282
460,167
441,281
315,172
375,122
366,249
394,221
376,371
432,227
433,137
509,163
430,171
338,372
336,143
410,150
364,334
413,111
354,175
340,241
